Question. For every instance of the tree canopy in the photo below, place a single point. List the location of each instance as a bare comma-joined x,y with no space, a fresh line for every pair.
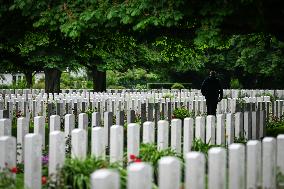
239,39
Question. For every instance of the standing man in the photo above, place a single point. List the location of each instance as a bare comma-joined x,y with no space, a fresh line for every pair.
213,92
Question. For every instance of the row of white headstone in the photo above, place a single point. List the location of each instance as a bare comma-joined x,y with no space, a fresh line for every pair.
253,167
179,135
194,101
233,93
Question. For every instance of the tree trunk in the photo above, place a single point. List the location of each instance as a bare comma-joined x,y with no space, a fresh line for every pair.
52,80
99,80
29,79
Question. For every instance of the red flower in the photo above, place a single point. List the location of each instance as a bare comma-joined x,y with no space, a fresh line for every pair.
43,180
132,157
14,170
137,160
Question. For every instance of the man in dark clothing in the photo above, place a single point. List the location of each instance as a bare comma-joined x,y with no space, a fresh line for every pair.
213,92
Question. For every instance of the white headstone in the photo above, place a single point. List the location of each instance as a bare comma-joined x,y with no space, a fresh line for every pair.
54,123
78,142
237,166
253,168
200,128
217,168
56,152
195,170
32,159
139,176
98,145
176,126
188,135
5,127
239,125
280,153
133,139
69,124
230,126
269,162
163,135
169,173
148,132
105,179
210,129
116,144
22,130
96,117
39,128
8,152
247,125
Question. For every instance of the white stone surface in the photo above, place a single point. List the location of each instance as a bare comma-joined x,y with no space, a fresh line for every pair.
195,170
280,153
78,142
211,129
188,135
176,126
5,127
148,132
269,162
200,128
217,168
105,179
56,152
39,128
230,126
32,161
133,139
169,173
237,166
22,130
253,168
163,135
139,176
69,124
116,144
8,152
98,145
220,130
54,123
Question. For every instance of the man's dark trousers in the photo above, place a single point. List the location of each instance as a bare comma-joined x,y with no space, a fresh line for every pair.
211,107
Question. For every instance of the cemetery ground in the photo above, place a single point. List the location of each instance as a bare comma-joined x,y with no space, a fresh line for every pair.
77,160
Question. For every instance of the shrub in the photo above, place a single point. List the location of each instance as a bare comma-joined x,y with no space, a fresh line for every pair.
40,84
177,86
149,153
181,113
168,95
76,173
275,126
235,84
115,87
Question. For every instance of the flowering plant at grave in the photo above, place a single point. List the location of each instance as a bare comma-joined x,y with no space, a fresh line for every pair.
7,177
44,159
19,114
14,170
43,180
181,113
134,159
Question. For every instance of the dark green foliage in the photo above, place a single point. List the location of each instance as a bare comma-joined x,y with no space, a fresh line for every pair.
200,146
177,86
149,153
76,173
168,85
275,126
181,113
